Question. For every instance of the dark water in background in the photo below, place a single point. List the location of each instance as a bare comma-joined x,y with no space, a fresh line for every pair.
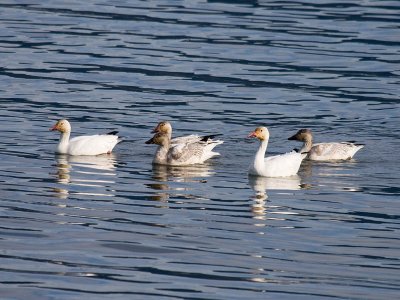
113,227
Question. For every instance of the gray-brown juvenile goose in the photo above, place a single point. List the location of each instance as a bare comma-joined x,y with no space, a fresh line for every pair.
325,151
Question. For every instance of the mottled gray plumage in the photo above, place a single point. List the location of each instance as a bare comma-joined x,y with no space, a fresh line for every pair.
325,151
187,150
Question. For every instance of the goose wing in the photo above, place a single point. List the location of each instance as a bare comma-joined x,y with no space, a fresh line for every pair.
92,144
342,150
186,153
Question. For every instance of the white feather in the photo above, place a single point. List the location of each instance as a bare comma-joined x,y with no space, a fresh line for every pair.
283,165
83,145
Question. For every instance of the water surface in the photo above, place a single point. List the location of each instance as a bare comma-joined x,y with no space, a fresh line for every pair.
115,227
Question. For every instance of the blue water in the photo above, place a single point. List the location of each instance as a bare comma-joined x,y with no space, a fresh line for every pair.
115,227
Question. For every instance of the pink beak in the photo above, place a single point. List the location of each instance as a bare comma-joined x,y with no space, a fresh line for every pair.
252,134
53,128
155,130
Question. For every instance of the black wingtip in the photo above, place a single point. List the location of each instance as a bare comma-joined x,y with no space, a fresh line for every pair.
115,132
209,137
355,143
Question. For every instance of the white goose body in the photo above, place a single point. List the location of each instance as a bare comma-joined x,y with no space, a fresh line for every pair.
83,145
325,151
187,150
284,165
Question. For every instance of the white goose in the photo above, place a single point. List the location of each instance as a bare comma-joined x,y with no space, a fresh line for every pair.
84,145
188,150
325,151
287,164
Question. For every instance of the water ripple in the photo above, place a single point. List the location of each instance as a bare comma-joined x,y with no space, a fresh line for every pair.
90,227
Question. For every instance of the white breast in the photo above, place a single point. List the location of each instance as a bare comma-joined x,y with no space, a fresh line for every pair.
287,164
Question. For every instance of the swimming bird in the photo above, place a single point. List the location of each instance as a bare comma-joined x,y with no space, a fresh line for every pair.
182,151
325,151
287,164
84,145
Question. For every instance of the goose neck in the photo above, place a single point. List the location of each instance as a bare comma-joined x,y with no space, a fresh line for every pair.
161,153
306,146
260,155
64,137
63,143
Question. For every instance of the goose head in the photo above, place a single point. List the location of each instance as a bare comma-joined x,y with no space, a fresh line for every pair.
260,133
62,126
302,135
163,127
161,139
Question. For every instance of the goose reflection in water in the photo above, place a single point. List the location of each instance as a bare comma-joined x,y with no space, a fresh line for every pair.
333,174
262,184
89,175
176,174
